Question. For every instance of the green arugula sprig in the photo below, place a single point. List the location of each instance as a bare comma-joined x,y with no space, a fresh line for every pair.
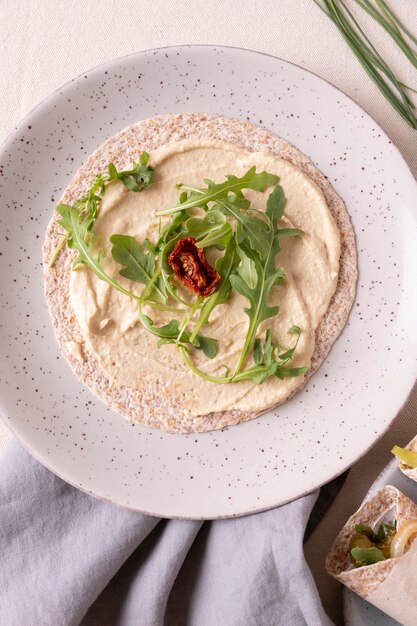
257,274
136,179
249,239
201,197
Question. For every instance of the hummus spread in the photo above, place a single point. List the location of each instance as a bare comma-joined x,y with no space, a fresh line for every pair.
128,353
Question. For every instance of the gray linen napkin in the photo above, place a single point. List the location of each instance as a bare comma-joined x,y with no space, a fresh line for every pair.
68,559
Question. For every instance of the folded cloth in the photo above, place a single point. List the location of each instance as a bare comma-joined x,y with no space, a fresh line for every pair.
68,559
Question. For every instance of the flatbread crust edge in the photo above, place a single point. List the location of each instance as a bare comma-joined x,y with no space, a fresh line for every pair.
154,407
364,580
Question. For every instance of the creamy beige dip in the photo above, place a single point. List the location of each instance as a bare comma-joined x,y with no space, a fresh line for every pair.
109,320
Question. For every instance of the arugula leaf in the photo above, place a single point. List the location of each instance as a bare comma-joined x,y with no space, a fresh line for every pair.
259,373
78,228
199,227
264,354
88,205
257,352
383,532
135,179
365,530
366,556
138,266
247,269
81,238
268,348
288,354
266,364
200,197
255,228
290,372
267,275
206,344
275,204
170,332
217,238
212,230
127,251
289,232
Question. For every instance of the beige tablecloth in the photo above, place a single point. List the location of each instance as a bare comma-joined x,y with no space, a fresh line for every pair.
45,43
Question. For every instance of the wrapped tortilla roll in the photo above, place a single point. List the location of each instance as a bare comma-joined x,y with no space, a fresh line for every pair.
408,462
391,583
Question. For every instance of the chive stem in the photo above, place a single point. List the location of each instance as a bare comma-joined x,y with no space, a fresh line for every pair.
368,56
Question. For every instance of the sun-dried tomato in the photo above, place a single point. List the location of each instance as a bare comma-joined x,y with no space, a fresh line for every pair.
191,268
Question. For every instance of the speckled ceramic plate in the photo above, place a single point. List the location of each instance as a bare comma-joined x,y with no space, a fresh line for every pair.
357,611
345,406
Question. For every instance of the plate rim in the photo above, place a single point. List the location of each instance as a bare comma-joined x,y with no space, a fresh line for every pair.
16,129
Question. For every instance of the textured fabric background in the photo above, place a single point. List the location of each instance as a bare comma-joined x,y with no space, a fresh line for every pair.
44,44
83,562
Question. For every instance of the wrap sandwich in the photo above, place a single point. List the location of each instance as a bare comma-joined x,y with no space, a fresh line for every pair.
375,554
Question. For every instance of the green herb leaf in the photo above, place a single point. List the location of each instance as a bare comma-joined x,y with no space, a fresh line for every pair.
266,363
257,352
127,251
255,227
247,268
269,348
366,556
201,197
81,238
257,294
199,227
171,333
383,532
217,238
267,275
288,354
290,372
207,345
138,266
365,530
212,230
289,232
135,179
275,204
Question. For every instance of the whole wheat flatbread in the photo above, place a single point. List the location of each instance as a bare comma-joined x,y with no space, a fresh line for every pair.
365,580
150,406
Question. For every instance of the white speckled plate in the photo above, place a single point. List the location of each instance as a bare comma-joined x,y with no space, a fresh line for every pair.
357,611
345,406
